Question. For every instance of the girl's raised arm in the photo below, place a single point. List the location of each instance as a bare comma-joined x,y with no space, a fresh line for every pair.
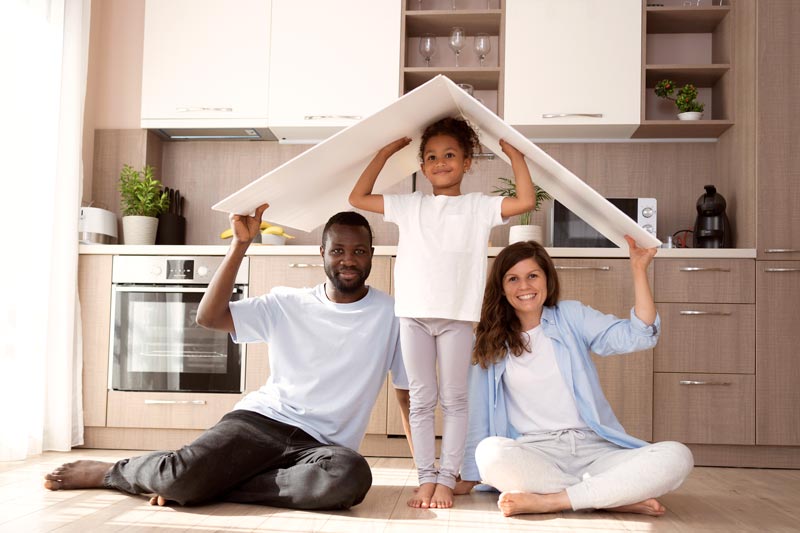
361,197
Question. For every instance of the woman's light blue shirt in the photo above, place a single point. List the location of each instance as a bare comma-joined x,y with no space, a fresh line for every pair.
576,330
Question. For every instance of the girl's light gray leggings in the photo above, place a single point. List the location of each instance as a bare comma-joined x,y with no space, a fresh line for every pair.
596,474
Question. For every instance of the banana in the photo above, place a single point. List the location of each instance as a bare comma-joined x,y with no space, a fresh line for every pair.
228,233
277,230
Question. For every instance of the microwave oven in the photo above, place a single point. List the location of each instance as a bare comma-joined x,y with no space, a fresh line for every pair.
569,230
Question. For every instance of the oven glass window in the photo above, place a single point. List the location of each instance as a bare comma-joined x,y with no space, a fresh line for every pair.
158,345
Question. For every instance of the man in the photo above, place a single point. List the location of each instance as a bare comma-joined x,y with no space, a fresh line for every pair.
291,443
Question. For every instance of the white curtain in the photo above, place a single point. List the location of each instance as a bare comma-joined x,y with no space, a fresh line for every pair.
44,48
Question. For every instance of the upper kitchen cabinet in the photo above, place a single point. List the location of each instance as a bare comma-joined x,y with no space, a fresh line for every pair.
206,63
331,64
688,44
573,69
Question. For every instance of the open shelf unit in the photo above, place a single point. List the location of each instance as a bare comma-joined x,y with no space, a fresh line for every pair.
687,44
475,16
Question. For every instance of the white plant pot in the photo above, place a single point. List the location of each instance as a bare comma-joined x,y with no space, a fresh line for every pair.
690,115
525,233
139,230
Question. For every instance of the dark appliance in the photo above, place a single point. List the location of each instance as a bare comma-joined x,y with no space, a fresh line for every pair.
711,227
156,344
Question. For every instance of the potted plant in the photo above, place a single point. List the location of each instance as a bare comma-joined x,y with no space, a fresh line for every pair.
524,231
142,201
685,101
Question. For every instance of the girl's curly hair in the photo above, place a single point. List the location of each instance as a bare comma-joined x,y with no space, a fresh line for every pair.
457,128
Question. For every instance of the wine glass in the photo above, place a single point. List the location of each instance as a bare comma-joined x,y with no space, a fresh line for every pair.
427,47
457,40
483,45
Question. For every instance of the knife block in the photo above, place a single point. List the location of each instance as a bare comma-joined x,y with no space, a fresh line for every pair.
171,229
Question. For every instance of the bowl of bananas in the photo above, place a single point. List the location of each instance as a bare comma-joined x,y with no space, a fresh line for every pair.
269,234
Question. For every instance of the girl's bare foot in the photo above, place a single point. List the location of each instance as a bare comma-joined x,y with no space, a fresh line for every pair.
77,475
442,497
515,502
422,497
650,507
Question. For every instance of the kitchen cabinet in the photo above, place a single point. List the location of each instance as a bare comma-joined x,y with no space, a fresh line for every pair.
573,69
705,361
205,63
627,380
331,64
777,368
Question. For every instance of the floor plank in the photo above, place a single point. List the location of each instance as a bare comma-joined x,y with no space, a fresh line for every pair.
712,499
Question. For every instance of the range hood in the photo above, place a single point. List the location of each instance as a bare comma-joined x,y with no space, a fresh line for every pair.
215,134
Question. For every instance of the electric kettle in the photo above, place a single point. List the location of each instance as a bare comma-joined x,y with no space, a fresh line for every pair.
711,227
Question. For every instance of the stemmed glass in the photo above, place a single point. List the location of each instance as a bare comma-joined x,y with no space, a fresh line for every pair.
483,45
457,40
427,47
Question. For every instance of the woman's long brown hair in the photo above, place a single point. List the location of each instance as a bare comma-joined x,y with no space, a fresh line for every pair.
499,330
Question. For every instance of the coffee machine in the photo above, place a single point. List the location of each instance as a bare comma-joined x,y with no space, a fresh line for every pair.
711,228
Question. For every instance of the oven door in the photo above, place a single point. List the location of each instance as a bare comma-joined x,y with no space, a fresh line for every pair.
156,344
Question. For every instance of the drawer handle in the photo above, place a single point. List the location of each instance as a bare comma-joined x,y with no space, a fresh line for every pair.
601,268
704,269
690,382
566,115
306,265
174,402
325,117
781,250
192,109
699,313
782,270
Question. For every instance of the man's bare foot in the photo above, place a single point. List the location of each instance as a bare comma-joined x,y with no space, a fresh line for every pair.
77,475
422,497
515,502
442,497
650,507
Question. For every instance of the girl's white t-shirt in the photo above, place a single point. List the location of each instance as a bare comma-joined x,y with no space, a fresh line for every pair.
440,270
537,397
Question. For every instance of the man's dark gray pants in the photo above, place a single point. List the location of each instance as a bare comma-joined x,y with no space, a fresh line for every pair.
249,458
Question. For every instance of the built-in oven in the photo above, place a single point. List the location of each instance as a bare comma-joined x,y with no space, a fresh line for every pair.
156,344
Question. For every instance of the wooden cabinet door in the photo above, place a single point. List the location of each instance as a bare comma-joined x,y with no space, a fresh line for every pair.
331,64
627,380
705,280
577,58
777,345
777,130
205,63
94,291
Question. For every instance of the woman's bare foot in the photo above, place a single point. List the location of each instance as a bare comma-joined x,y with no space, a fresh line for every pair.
515,502
77,475
442,497
422,496
650,507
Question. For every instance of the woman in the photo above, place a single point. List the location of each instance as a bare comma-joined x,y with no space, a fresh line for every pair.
540,430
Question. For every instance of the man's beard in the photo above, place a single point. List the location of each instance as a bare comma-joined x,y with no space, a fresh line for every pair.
347,286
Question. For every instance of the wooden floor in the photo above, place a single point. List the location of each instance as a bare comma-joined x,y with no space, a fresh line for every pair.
712,499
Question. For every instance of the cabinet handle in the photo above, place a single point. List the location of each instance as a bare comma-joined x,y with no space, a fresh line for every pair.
306,265
174,402
565,115
698,313
782,270
690,382
193,109
781,250
704,269
603,268
324,117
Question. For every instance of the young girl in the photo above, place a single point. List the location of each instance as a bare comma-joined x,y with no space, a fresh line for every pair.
439,276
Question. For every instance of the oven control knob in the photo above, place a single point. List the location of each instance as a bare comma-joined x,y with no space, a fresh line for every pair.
647,212
155,270
649,228
202,271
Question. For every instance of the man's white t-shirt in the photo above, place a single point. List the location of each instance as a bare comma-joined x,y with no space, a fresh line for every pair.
537,397
327,361
440,271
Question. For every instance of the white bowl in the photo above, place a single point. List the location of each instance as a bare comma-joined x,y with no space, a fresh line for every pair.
277,240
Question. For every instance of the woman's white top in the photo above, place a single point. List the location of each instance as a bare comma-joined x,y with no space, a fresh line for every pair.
537,397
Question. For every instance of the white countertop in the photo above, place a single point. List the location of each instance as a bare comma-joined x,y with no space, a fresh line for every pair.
260,249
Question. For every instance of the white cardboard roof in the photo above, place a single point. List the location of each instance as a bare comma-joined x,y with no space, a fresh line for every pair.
306,190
